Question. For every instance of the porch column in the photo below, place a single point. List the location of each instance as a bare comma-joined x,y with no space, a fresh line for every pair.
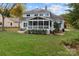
32,24
27,24
48,30
49,25
53,25
38,25
43,24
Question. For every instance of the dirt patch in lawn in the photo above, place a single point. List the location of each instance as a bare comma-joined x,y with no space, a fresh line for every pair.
72,47
59,33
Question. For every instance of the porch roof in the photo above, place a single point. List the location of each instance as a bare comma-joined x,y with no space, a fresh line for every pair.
37,18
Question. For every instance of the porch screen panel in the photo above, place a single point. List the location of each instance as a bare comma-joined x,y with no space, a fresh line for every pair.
34,22
30,23
41,24
46,23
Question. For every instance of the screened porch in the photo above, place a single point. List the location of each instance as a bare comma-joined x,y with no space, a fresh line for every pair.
38,25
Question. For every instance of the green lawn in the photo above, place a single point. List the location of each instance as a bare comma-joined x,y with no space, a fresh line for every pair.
14,44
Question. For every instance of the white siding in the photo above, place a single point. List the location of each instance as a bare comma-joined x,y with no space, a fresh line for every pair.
62,25
22,24
52,28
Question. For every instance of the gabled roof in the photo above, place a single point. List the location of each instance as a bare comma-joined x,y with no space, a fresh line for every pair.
35,11
53,16
38,11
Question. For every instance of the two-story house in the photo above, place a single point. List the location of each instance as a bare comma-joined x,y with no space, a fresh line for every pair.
39,21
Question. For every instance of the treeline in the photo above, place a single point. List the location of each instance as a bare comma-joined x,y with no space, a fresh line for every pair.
73,15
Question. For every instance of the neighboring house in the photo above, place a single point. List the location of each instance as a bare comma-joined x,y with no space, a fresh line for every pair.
9,22
40,20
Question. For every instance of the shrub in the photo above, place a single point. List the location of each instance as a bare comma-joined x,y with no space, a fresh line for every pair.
57,26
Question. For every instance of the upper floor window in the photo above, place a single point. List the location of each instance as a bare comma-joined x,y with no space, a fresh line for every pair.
36,14
28,14
41,14
46,14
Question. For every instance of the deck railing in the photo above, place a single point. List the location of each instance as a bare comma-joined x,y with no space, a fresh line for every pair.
38,27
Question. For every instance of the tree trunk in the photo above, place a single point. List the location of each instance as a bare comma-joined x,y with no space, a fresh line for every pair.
19,25
3,23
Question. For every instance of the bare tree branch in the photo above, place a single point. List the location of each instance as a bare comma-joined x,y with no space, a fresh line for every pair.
13,6
1,4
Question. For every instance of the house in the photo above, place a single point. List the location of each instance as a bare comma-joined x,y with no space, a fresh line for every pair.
9,22
40,21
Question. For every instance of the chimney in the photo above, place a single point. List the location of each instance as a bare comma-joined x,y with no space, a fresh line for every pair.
45,7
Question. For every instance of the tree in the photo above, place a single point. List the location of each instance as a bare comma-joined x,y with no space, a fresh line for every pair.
5,12
74,14
18,11
57,26
67,23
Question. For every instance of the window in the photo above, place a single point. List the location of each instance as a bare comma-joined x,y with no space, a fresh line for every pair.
28,14
41,14
0,23
46,14
36,14
11,24
25,24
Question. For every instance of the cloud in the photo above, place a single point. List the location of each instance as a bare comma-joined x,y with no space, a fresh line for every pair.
58,9
55,7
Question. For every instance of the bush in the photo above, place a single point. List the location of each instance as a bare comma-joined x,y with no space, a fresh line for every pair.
71,42
57,26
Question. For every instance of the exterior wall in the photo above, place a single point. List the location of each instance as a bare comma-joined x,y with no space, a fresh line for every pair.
22,24
24,15
37,27
8,21
52,26
44,16
33,15
62,25
22,27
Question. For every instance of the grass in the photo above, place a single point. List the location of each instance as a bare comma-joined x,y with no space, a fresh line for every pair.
15,44
10,29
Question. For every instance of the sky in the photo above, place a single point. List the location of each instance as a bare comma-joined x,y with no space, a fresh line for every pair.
56,8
